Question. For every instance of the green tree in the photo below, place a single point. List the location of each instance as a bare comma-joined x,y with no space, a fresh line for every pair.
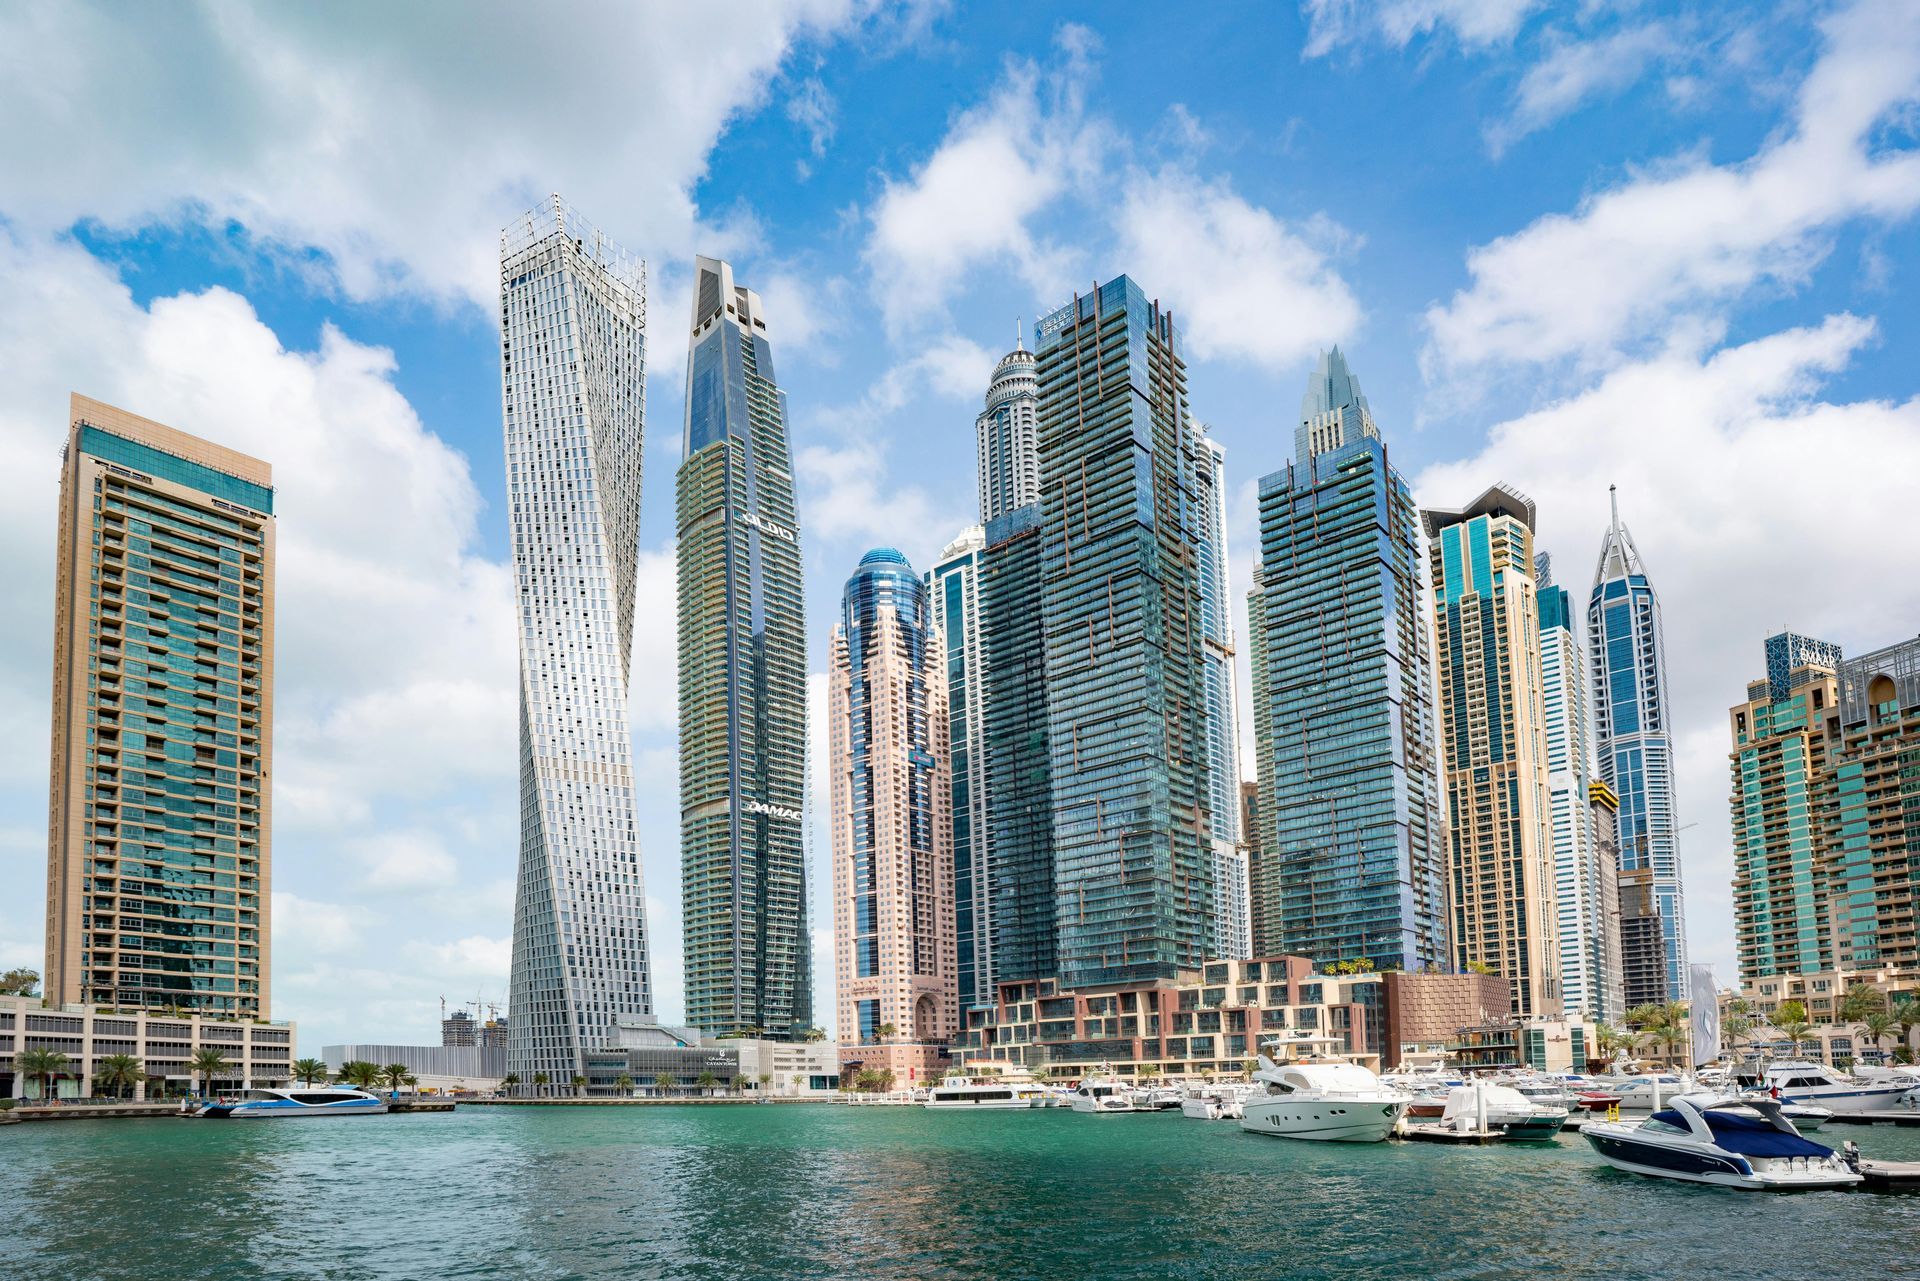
395,1075
707,1081
815,1035
1790,1012
120,1072
1906,1013
45,1064
1795,1030
510,1082
307,1071
540,1082
1479,967
207,1063
1877,1025
765,1079
664,1082
19,982
885,1031
623,1083
579,1084
360,1074
1146,1071
1861,1000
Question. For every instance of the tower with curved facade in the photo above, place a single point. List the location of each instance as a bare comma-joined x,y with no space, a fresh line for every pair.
1634,739
743,679
572,390
1008,432
893,869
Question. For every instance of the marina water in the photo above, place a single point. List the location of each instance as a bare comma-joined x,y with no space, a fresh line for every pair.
742,1192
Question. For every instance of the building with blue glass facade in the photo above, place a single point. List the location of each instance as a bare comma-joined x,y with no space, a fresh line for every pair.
572,379
1123,477
953,590
1232,924
159,838
743,680
1634,736
891,820
1350,861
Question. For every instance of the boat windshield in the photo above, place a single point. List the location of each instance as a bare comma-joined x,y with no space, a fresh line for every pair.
1750,1135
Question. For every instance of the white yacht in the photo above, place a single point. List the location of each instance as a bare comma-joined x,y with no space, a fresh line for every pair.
1734,1143
1103,1094
1819,1085
315,1100
1321,1099
1214,1102
985,1093
1479,1106
1155,1098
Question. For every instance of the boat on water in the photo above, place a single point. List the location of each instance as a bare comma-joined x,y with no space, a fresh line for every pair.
1320,1099
960,1092
1804,1116
319,1100
1103,1094
1736,1142
1816,1084
1214,1103
1480,1106
1156,1098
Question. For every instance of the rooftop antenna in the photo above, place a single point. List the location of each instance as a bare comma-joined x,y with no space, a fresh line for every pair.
1019,334
1613,497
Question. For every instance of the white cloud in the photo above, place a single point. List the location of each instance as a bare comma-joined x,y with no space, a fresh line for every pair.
974,199
1690,235
1573,72
395,139
1701,444
397,861
1243,284
812,107
304,926
1474,23
474,957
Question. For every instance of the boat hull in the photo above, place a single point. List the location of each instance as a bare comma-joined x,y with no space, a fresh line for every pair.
287,1112
1692,1164
1325,1121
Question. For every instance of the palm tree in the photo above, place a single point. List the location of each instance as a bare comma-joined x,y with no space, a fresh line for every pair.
707,1081
815,1035
886,1031
360,1074
207,1062
394,1074
45,1064
510,1082
1146,1071
1861,1000
307,1071
119,1072
540,1080
624,1084
765,1079
1906,1013
1795,1030
1876,1025
579,1084
664,1082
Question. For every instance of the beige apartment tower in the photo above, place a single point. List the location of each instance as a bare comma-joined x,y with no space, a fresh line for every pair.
1494,746
160,817
893,905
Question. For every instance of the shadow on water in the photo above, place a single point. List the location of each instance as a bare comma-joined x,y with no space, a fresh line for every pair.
804,1192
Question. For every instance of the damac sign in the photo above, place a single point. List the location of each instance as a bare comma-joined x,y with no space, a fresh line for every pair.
778,811
771,527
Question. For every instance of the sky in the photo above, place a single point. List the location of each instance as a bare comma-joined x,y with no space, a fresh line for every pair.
1668,247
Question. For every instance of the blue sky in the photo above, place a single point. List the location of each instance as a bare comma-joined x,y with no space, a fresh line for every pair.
1670,247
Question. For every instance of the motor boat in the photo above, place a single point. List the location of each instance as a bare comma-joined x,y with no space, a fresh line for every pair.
1646,1093
1103,1094
1804,1116
1479,1106
1214,1103
1544,1091
318,1100
1321,1099
1733,1142
1156,1098
985,1093
1817,1084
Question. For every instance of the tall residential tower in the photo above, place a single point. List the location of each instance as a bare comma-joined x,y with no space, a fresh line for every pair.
1493,746
1232,912
893,867
160,825
743,679
1008,432
1634,734
573,399
953,592
1351,862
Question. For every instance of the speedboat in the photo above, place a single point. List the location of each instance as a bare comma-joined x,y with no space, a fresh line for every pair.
1734,1143
1321,1099
1488,1105
967,1093
1818,1084
1213,1103
1103,1094
319,1100
1804,1116
1157,1098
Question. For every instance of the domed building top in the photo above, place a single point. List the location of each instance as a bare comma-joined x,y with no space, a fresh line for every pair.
886,556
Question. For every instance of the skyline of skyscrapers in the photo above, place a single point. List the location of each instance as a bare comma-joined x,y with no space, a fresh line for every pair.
1123,477
573,401
893,855
1351,861
1633,739
160,818
743,678
1493,745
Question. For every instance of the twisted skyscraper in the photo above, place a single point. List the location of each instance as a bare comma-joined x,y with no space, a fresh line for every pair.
743,679
572,391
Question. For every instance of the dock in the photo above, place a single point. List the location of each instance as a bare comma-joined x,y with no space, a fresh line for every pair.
1437,1133
94,1111
420,1105
1891,1176
1876,1118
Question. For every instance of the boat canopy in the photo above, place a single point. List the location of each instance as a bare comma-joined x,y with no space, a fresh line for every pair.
1748,1135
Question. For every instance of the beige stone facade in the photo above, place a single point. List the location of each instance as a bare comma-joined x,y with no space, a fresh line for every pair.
160,813
257,1054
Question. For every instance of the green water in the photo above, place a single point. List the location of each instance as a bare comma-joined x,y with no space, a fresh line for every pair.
829,1191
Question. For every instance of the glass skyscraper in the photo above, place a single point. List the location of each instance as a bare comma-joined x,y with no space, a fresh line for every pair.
1634,738
1585,893
1350,861
1007,433
893,864
1232,927
160,822
743,679
1123,479
1493,746
953,589
572,391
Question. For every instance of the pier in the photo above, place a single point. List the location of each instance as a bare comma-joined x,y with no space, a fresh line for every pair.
1875,1118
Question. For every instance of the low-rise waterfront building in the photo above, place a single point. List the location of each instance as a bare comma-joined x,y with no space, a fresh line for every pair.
1545,1045
787,1069
437,1069
258,1053
644,1050
1823,994
1426,1010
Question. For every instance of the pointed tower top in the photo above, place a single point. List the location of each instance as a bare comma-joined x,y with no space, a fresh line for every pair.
1619,558
1019,334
